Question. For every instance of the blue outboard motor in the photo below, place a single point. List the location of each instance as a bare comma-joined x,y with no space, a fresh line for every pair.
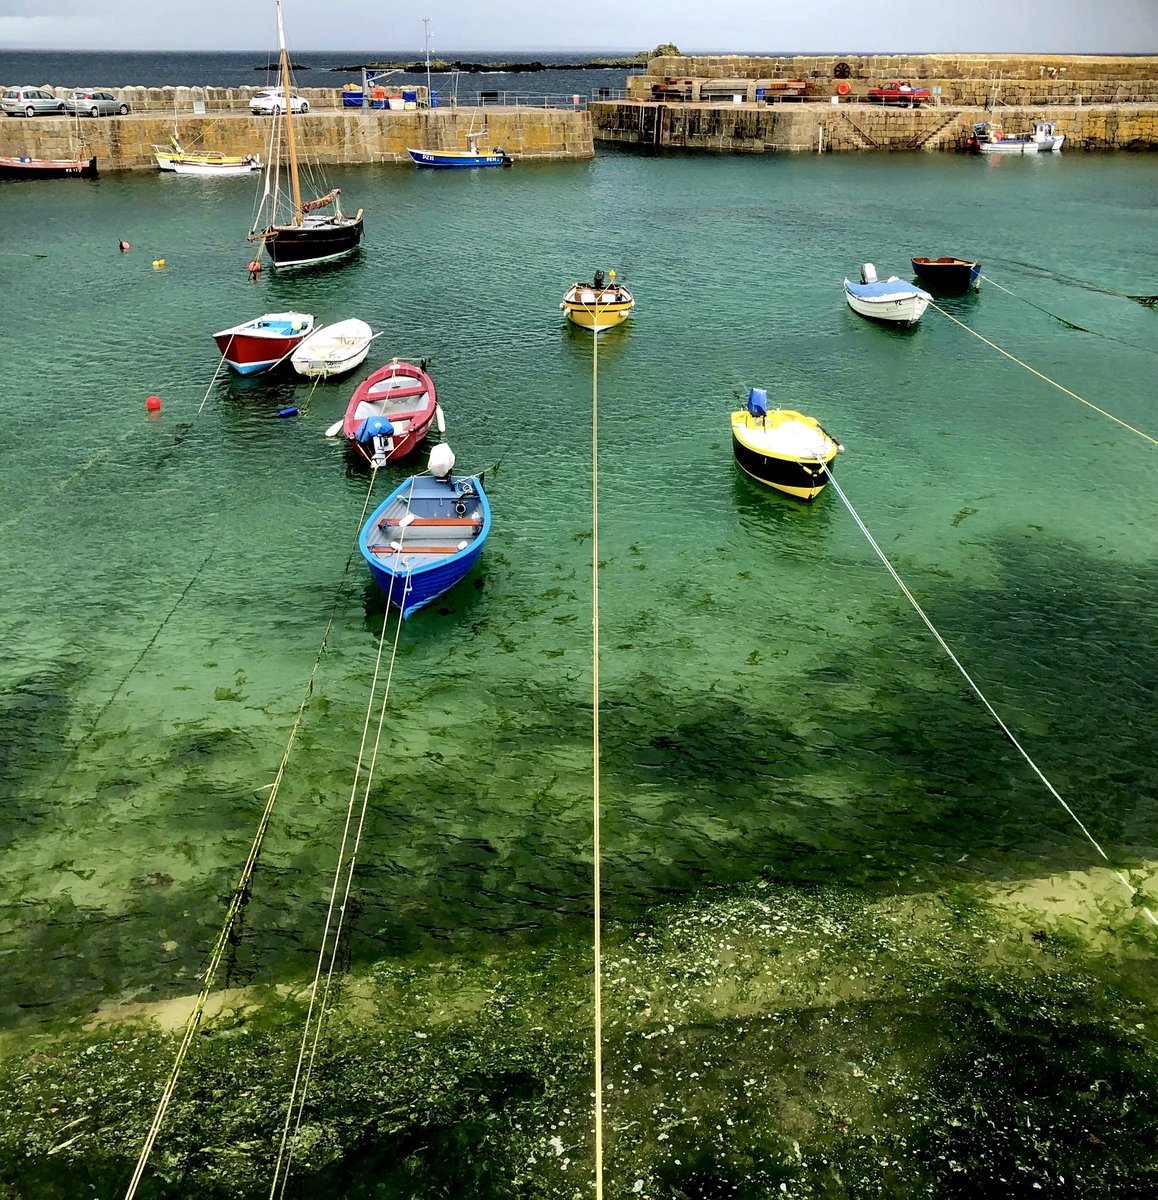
377,431
372,427
758,402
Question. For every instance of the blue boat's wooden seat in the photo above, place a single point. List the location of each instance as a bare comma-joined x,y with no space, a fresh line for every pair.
473,522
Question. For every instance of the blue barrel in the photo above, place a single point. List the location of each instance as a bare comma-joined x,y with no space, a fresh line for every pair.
433,99
759,95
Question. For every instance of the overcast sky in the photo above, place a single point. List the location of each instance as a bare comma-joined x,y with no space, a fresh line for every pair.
740,26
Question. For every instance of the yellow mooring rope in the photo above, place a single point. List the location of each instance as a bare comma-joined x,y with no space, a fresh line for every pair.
978,693
1033,371
595,859
240,894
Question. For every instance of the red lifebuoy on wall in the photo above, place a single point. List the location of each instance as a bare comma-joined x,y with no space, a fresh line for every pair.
842,88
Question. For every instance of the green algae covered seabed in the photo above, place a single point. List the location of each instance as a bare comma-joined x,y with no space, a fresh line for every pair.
852,945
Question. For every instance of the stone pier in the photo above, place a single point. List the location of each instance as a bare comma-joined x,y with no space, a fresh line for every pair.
218,119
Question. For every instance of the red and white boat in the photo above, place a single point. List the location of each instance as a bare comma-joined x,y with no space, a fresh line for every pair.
391,412
263,342
47,168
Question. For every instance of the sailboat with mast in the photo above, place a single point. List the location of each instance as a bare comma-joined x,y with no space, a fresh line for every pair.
312,231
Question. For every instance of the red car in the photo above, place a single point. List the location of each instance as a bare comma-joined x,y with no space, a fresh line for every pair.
896,92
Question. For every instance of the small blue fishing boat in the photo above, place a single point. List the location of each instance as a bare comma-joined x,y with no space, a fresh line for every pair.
474,157
425,536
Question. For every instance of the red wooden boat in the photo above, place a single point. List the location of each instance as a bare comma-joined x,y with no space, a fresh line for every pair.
263,342
391,412
47,168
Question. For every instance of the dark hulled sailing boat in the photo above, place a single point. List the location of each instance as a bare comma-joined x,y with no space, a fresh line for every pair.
312,231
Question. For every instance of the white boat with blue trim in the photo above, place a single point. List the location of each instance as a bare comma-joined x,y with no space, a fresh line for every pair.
894,301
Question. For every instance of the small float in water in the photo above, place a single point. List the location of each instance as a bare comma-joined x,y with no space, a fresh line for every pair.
425,536
783,448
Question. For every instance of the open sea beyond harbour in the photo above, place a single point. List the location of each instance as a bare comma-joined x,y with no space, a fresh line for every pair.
853,945
313,69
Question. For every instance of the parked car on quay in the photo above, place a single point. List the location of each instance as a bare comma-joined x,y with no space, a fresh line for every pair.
29,102
272,100
897,92
92,102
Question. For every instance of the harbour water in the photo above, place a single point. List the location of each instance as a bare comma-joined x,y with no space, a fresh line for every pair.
853,945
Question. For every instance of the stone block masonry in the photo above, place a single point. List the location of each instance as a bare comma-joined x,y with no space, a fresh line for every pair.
803,128
331,134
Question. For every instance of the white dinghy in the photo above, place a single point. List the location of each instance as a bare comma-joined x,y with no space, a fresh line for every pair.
333,349
894,301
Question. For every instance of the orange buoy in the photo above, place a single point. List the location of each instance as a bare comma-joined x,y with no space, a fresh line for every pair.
123,245
255,268
842,88
153,404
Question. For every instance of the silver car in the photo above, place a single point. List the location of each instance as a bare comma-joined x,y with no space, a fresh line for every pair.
29,101
92,102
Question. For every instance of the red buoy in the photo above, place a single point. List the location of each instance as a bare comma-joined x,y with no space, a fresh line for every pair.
153,404
124,246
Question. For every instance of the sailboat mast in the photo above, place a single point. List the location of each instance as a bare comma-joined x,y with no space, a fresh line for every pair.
289,119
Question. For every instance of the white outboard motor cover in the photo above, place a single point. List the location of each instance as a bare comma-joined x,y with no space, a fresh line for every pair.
868,273
441,461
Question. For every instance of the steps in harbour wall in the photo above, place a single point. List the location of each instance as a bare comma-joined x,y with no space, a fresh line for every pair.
760,129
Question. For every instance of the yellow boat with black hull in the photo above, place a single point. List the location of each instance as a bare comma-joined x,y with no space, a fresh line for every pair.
783,449
600,305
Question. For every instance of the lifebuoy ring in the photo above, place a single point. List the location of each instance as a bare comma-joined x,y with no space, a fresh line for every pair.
842,88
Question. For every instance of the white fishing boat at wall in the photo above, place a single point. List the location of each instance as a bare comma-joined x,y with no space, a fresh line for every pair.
893,301
1047,137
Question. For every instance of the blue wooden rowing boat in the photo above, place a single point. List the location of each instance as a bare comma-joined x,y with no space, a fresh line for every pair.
425,536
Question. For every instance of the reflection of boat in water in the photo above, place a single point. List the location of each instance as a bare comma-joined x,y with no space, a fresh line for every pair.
782,448
425,536
600,305
948,274
892,300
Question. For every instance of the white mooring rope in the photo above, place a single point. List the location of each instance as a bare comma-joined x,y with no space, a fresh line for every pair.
978,693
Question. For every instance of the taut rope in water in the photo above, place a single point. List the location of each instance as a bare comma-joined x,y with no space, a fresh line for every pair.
240,894
1034,371
595,858
303,1071
977,691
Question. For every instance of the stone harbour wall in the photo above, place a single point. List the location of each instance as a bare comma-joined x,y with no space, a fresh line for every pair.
761,129
331,135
